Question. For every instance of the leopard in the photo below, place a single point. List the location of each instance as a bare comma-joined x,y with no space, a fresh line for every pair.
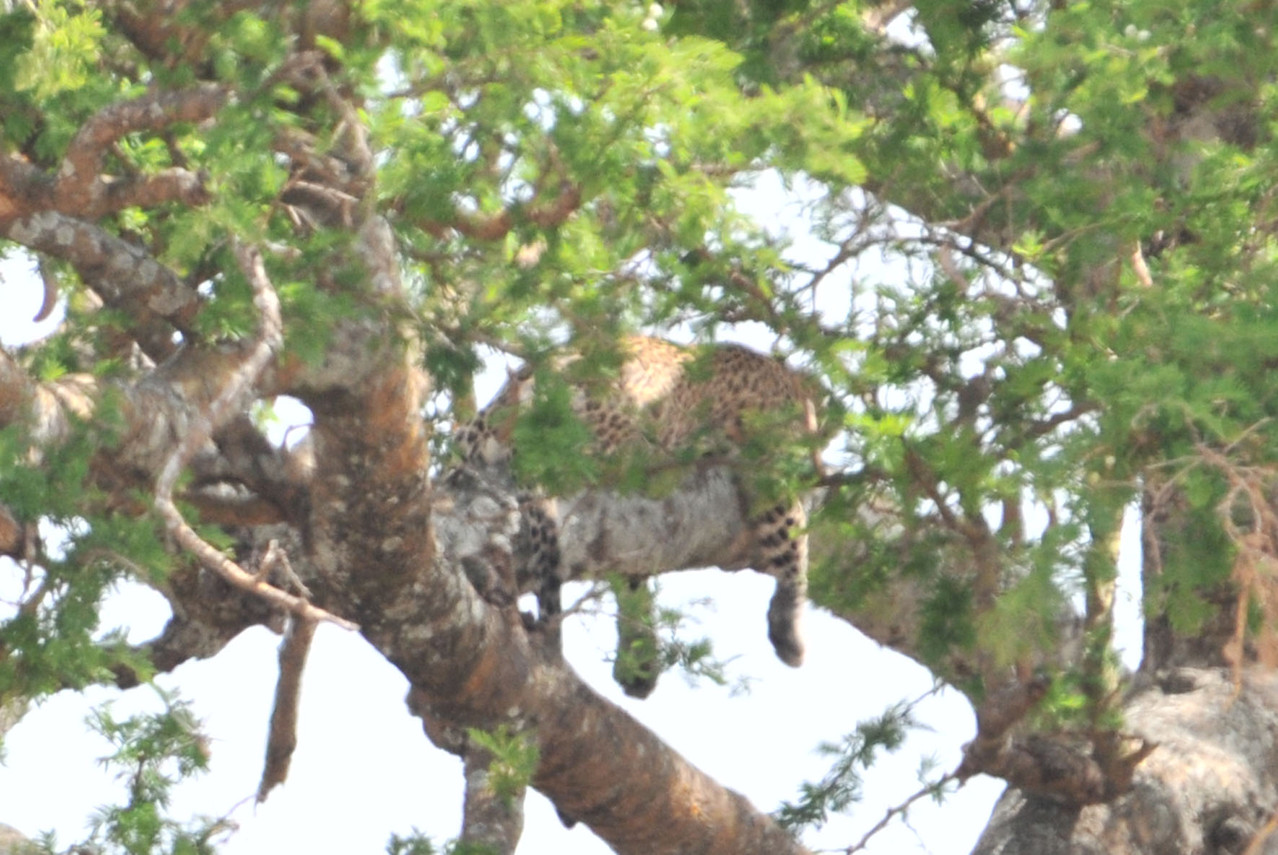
665,400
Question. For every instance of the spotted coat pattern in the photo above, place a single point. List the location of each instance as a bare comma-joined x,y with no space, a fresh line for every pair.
669,398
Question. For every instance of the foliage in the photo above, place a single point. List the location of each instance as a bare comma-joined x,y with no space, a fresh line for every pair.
514,760
653,639
414,844
841,786
417,843
1032,259
153,753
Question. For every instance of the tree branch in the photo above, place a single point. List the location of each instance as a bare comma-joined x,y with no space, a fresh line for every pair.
1210,788
80,186
545,214
232,398
126,276
282,735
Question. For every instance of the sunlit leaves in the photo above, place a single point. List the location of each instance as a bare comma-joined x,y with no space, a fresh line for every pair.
650,131
64,53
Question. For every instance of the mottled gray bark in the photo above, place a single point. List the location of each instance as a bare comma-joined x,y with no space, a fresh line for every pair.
1210,787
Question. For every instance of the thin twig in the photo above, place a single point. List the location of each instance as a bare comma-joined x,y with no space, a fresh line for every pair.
898,810
238,386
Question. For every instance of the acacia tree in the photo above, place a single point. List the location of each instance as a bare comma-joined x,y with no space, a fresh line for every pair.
343,203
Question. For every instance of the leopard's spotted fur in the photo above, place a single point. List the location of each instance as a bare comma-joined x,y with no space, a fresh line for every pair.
670,398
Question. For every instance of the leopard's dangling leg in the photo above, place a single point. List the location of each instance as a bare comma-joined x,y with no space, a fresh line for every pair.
783,554
539,531
638,663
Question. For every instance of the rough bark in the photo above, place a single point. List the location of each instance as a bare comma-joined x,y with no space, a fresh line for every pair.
475,664
1211,786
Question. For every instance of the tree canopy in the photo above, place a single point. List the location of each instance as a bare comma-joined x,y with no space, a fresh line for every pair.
1039,297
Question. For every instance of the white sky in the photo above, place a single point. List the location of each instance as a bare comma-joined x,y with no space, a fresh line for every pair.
363,769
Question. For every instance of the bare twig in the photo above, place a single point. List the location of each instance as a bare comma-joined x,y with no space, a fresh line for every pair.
1257,844
233,395
899,810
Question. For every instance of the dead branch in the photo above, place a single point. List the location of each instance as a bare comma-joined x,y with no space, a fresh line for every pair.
230,400
282,737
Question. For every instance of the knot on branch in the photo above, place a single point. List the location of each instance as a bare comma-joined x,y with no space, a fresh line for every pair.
1072,769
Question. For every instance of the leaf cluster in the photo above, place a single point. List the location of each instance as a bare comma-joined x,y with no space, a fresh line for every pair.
841,787
514,760
153,753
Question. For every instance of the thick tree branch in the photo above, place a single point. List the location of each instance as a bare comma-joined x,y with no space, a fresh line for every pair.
1210,788
125,276
80,185
391,554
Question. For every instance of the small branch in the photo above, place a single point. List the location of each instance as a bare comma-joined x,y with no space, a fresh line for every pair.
1042,427
338,204
1257,844
899,810
23,188
149,191
221,508
546,215
232,397
1140,267
49,299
